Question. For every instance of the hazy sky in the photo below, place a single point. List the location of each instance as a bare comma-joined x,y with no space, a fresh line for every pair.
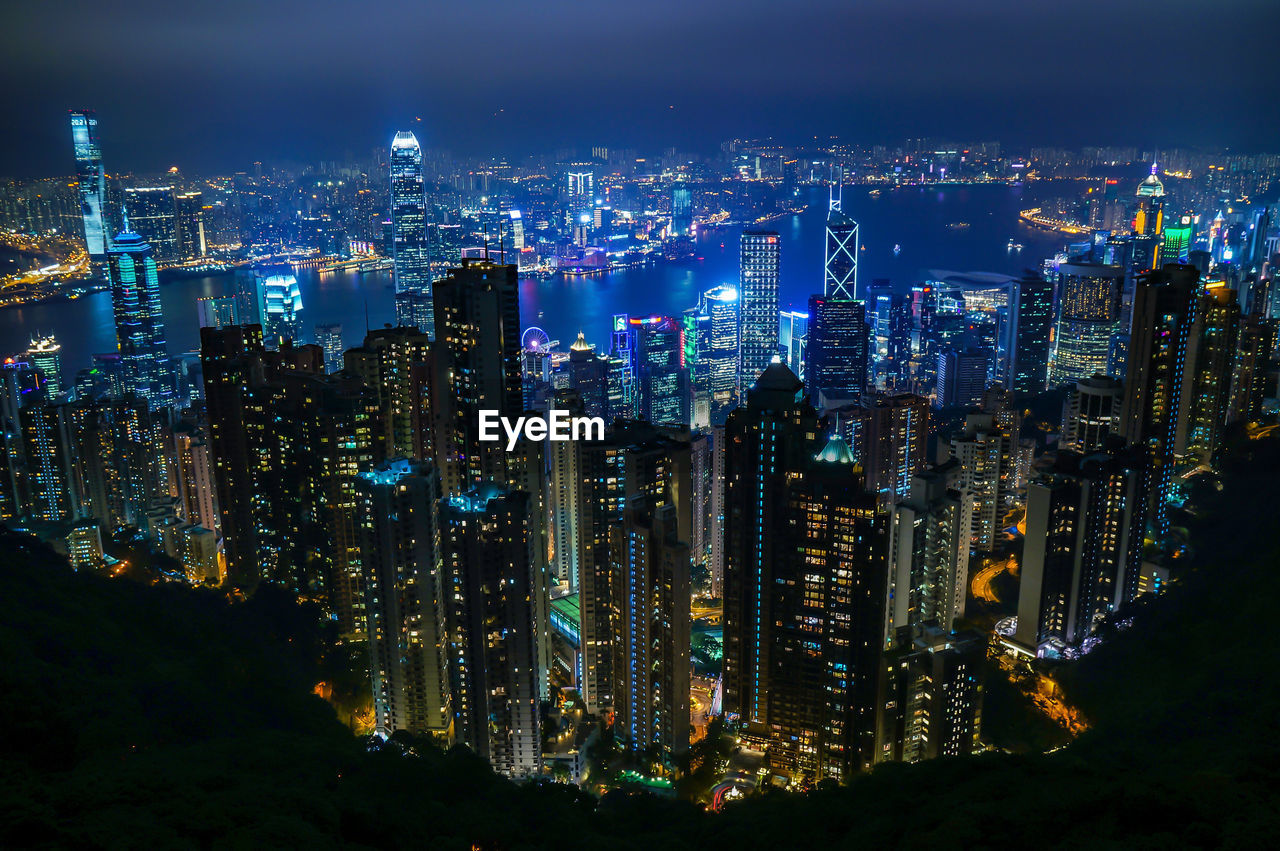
215,85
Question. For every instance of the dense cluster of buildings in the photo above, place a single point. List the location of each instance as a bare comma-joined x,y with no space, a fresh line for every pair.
833,472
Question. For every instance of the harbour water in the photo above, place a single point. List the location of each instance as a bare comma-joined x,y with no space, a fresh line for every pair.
958,228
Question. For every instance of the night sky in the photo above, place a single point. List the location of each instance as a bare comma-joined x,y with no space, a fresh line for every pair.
215,85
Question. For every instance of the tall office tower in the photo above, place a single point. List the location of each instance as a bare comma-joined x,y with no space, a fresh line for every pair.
45,355
1251,382
329,338
92,180
1091,414
135,303
405,597
681,210
153,215
898,354
761,265
411,254
217,311
839,350
840,268
1177,241
715,518
793,339
279,305
1212,352
663,379
563,493
931,697
1088,312
477,315
804,586
1031,318
288,442
46,481
19,385
1148,213
1165,309
720,354
962,377
928,556
700,496
396,364
1083,550
988,457
192,240
194,468
650,567
493,664
888,434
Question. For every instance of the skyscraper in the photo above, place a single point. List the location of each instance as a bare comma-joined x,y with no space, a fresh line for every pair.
840,267
153,215
45,354
1091,414
928,556
135,303
962,377
839,350
192,237
721,306
280,300
761,264
888,434
92,181
987,453
650,568
401,557
793,339
329,338
663,379
477,315
396,365
931,699
218,311
1088,312
492,649
1165,309
411,255
1031,314
1212,351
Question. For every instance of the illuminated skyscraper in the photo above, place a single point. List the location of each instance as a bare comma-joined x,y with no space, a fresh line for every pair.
401,557
153,215
46,355
840,269
329,338
761,264
396,365
1031,314
839,350
192,239
660,366
1212,351
793,339
409,235
681,210
135,303
1148,217
280,303
1088,312
720,305
928,555
92,183
1177,241
492,647
218,311
1165,310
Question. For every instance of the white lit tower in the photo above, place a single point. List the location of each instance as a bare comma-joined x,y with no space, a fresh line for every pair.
409,231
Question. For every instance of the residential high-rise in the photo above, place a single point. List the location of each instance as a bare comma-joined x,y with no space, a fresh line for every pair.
92,180
888,434
931,698
761,265
492,647
153,215
839,350
288,442
396,365
477,315
19,386
329,338
1083,547
403,568
1212,351
650,568
987,452
804,587
1088,312
1031,315
1091,414
411,254
1165,310
135,304
928,556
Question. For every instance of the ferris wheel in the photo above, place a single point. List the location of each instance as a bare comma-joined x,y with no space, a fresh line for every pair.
534,339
